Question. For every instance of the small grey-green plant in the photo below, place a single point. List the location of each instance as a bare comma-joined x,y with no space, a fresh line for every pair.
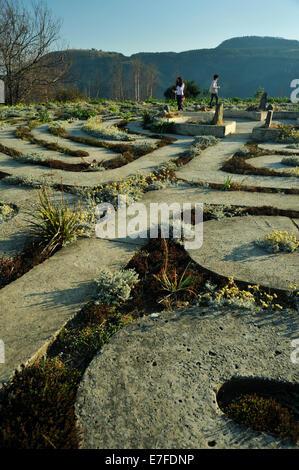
33,157
145,144
95,127
201,143
244,151
205,141
219,212
115,288
22,181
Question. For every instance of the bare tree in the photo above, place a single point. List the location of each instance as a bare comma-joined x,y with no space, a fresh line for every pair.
118,85
136,67
151,79
27,36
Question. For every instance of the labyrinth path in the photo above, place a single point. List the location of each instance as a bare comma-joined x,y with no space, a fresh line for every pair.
155,384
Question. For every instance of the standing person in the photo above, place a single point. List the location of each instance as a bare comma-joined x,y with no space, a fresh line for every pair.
214,90
180,93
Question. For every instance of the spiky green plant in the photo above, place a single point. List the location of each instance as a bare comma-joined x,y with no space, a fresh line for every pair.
227,183
54,222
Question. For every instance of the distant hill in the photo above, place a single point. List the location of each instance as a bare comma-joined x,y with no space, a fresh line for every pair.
244,64
258,42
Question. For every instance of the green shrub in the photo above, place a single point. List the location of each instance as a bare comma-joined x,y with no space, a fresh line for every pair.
191,90
293,160
68,94
258,94
147,119
44,116
288,134
163,127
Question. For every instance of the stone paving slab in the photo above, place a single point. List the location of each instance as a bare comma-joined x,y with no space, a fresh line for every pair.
35,307
279,147
154,385
13,233
229,250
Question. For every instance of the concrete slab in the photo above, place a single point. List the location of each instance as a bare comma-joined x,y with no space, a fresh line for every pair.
35,307
154,385
285,115
262,134
229,249
8,139
184,194
243,114
202,129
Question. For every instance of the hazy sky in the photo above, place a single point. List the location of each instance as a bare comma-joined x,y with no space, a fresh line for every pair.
171,25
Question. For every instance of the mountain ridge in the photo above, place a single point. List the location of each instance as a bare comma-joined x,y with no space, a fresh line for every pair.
243,63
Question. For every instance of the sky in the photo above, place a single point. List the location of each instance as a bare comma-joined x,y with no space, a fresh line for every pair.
131,26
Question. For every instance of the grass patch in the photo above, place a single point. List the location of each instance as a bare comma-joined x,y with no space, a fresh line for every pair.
55,223
36,408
